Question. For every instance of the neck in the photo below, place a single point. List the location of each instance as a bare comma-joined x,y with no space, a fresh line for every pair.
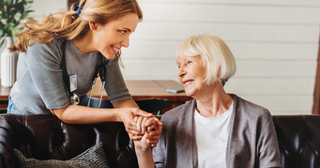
85,44
214,102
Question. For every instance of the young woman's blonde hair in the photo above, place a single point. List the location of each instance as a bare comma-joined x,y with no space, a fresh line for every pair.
215,53
68,25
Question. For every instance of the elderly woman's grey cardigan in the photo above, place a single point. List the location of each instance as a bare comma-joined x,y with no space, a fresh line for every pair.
252,140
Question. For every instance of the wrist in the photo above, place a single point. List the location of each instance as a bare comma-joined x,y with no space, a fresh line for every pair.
142,151
118,114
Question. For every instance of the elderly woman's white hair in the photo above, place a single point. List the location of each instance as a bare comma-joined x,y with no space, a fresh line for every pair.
215,53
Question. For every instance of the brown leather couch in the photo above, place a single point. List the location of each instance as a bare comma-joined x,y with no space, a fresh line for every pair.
46,137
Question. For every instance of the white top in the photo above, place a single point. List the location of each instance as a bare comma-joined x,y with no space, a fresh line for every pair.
211,138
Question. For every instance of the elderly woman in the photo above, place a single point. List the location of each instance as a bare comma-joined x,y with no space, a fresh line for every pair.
215,129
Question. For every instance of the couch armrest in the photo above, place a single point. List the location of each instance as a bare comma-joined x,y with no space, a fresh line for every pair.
46,137
9,139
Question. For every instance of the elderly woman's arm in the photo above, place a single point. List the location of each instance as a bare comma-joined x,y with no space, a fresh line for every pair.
144,155
269,154
142,147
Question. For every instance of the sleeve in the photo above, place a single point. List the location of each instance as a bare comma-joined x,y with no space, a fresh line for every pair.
269,154
43,62
115,85
159,152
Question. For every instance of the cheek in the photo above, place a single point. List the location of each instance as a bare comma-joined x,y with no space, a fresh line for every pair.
180,80
101,37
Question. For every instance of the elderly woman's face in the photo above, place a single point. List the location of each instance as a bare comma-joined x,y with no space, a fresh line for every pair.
191,74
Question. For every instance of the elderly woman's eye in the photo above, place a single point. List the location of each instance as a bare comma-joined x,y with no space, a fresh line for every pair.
189,62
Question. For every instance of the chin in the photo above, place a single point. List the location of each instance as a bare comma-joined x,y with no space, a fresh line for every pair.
109,56
189,94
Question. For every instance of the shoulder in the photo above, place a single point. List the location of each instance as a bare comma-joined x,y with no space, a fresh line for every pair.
46,52
56,43
251,117
248,109
53,47
178,113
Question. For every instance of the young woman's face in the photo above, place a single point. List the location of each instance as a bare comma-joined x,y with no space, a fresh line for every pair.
109,38
191,74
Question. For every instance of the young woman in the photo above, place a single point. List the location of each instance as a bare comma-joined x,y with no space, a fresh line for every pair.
77,41
215,129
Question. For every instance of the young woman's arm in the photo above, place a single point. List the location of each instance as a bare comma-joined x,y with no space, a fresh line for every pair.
74,114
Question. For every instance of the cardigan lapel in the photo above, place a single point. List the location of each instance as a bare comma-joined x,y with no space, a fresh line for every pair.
191,125
233,127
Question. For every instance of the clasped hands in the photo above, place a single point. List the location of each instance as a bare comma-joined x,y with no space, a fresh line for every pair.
141,126
150,131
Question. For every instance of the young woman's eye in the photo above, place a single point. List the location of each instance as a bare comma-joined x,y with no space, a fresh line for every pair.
123,31
189,62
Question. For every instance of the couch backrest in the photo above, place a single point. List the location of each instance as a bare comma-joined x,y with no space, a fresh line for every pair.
299,140
46,137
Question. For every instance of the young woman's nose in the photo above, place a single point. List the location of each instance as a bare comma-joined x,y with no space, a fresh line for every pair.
125,42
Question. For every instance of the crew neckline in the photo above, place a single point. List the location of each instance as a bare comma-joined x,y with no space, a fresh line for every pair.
218,118
76,49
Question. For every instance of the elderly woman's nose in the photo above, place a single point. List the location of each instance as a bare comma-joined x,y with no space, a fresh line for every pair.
181,71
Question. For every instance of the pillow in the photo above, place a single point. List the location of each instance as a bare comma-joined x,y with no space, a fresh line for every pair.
94,157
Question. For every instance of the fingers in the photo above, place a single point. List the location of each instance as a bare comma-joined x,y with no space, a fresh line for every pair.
150,128
134,132
156,132
149,122
152,140
143,125
157,121
135,137
139,124
154,136
142,113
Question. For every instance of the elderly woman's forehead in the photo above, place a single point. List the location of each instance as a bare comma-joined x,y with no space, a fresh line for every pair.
189,56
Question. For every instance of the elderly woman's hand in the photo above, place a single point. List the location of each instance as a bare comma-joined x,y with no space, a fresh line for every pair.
154,136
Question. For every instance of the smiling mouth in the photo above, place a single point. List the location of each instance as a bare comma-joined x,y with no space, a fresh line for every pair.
187,82
115,50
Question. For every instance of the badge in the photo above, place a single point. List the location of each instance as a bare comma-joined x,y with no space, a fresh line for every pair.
73,82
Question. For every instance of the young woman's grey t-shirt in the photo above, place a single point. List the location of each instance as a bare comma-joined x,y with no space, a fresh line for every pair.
40,85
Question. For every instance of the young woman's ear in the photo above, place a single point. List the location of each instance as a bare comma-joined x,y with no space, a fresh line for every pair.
92,25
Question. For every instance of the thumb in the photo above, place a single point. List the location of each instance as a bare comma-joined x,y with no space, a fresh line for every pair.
143,113
158,121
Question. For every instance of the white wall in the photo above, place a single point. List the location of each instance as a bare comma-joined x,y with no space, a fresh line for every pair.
275,43
42,8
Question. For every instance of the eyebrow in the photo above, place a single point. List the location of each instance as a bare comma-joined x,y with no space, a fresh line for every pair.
128,29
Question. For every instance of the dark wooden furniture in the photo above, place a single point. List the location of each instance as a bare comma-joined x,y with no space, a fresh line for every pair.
146,89
139,89
4,96
155,106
